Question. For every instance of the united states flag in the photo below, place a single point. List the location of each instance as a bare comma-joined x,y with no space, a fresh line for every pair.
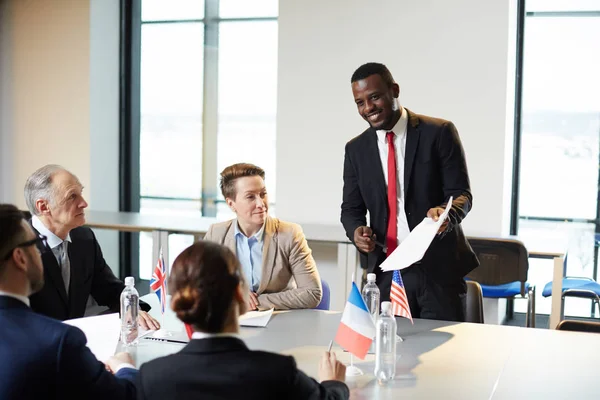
158,283
398,297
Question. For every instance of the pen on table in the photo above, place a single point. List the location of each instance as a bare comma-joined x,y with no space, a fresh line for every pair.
330,344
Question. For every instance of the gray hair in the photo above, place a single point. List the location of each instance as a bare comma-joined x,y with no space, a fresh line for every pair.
39,186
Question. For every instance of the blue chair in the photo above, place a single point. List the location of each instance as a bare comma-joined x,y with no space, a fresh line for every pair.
326,298
502,271
574,286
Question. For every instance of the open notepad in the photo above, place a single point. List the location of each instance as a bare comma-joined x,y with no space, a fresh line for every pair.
102,333
251,319
256,318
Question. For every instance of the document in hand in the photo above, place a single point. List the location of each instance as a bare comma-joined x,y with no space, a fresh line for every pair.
256,318
413,248
102,333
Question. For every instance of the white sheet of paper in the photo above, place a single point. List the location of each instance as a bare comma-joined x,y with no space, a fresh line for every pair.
413,248
256,318
102,333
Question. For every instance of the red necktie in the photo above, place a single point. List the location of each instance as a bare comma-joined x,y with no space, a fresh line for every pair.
392,197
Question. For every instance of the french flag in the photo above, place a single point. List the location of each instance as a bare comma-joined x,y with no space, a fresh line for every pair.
357,329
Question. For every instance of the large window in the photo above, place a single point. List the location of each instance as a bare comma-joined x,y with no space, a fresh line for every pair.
560,131
208,87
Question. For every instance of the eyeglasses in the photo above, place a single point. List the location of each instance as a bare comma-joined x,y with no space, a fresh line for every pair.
40,241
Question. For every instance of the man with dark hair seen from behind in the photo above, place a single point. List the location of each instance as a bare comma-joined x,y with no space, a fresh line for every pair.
425,158
74,267
41,357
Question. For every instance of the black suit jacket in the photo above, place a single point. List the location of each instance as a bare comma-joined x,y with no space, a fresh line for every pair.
434,169
42,358
224,368
90,275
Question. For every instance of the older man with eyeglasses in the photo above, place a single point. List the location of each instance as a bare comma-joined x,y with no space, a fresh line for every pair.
39,356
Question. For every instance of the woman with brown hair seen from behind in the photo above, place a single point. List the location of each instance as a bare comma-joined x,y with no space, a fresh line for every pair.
209,293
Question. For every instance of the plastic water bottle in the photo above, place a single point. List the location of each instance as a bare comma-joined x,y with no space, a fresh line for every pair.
385,345
371,295
130,300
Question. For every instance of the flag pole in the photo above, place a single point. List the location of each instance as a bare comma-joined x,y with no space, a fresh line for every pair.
352,369
163,332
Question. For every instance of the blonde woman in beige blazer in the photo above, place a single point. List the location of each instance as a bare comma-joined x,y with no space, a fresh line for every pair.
274,254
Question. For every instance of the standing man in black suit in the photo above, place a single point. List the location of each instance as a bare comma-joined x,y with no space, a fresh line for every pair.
425,160
74,267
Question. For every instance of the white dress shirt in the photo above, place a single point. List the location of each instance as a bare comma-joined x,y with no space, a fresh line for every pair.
23,299
400,146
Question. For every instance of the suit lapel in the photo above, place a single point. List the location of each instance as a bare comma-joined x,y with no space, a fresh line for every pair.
229,240
373,162
412,142
52,270
270,245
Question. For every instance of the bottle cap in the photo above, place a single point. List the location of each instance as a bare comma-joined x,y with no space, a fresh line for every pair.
371,277
385,306
129,281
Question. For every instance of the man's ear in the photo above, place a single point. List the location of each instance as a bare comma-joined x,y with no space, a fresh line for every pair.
396,90
42,206
20,259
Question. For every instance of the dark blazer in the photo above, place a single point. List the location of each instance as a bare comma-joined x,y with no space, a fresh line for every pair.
41,358
224,368
434,169
90,275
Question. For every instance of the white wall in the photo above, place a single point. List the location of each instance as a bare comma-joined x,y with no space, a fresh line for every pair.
59,98
6,141
452,60
49,97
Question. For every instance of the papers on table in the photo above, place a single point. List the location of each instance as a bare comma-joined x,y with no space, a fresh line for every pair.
413,248
102,333
256,318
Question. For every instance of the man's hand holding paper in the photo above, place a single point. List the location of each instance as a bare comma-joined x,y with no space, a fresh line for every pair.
413,248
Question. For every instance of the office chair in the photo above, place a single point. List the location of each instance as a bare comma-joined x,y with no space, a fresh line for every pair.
573,286
578,326
502,271
326,297
474,303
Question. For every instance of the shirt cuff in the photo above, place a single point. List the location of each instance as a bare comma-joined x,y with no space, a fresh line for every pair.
124,365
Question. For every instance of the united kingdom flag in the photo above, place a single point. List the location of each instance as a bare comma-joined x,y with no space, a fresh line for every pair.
158,283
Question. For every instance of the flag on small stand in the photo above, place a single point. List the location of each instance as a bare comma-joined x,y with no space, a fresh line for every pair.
158,282
357,329
398,297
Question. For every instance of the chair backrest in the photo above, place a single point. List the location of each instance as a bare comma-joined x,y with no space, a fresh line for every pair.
326,298
579,326
500,261
474,303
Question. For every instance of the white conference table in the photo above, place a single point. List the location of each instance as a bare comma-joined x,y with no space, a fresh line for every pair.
161,226
436,360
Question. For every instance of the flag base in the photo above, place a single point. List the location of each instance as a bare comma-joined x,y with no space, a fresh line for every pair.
353,370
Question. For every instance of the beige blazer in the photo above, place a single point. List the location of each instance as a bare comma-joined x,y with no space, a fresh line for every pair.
289,274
